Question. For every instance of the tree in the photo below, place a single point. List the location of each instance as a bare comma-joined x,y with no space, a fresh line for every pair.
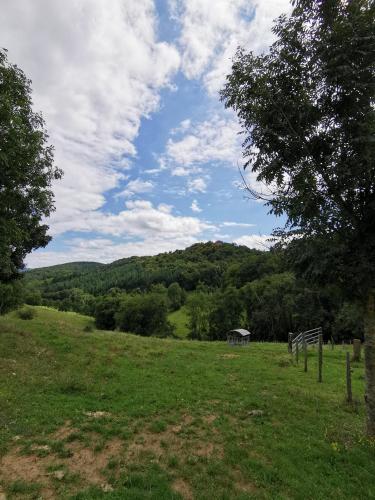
198,308
10,296
226,313
26,172
308,111
144,314
105,311
176,296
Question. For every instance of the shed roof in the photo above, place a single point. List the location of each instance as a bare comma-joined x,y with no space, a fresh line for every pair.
241,331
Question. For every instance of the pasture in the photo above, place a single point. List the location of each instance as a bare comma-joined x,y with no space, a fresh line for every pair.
88,414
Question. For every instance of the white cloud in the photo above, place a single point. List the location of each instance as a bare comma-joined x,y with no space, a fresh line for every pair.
213,140
197,185
237,224
97,69
256,241
195,207
140,219
137,186
183,172
211,34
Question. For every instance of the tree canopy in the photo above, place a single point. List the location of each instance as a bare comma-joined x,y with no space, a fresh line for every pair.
307,108
26,172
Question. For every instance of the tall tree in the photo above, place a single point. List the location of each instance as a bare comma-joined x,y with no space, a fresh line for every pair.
26,172
308,111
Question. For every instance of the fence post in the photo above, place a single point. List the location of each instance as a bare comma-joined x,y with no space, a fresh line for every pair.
320,379
356,350
290,342
304,351
349,397
297,352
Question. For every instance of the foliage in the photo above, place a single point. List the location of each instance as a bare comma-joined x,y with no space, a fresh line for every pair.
198,310
226,313
348,324
105,311
31,296
308,111
144,314
176,296
26,172
10,296
77,300
26,313
200,263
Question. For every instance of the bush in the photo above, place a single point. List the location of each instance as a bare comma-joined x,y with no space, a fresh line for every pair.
144,314
26,313
105,310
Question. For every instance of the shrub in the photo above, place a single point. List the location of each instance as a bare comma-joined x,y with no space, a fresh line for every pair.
26,313
144,314
105,310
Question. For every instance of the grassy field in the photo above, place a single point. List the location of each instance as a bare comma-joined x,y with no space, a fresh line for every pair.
88,415
180,321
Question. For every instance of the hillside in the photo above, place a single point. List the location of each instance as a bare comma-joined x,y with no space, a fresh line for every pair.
111,415
202,262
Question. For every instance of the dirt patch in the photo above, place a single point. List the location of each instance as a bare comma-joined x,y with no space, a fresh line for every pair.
243,484
183,488
31,469
84,462
209,419
65,431
171,441
89,464
229,356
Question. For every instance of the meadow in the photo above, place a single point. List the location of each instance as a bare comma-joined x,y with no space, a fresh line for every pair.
89,414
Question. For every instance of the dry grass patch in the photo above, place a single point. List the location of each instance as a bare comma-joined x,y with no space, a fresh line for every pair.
181,487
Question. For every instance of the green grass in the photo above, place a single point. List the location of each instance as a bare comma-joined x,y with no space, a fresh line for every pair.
176,417
179,319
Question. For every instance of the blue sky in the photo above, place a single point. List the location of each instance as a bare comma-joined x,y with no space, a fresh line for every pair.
129,92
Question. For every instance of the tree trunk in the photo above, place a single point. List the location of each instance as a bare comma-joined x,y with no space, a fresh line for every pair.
370,365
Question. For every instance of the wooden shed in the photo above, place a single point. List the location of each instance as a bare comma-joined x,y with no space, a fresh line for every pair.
240,336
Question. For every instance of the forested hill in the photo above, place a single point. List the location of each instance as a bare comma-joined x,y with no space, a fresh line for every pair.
202,262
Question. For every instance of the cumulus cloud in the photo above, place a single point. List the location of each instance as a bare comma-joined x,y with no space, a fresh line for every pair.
211,140
136,186
256,241
97,69
210,36
195,207
197,185
140,219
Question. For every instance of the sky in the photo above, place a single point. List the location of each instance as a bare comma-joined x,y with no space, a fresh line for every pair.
129,93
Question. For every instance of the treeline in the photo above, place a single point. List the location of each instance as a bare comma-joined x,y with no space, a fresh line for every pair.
224,286
200,263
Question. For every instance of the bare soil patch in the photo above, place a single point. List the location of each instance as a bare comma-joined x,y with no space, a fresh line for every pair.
183,488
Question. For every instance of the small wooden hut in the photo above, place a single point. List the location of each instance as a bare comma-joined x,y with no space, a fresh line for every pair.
240,336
